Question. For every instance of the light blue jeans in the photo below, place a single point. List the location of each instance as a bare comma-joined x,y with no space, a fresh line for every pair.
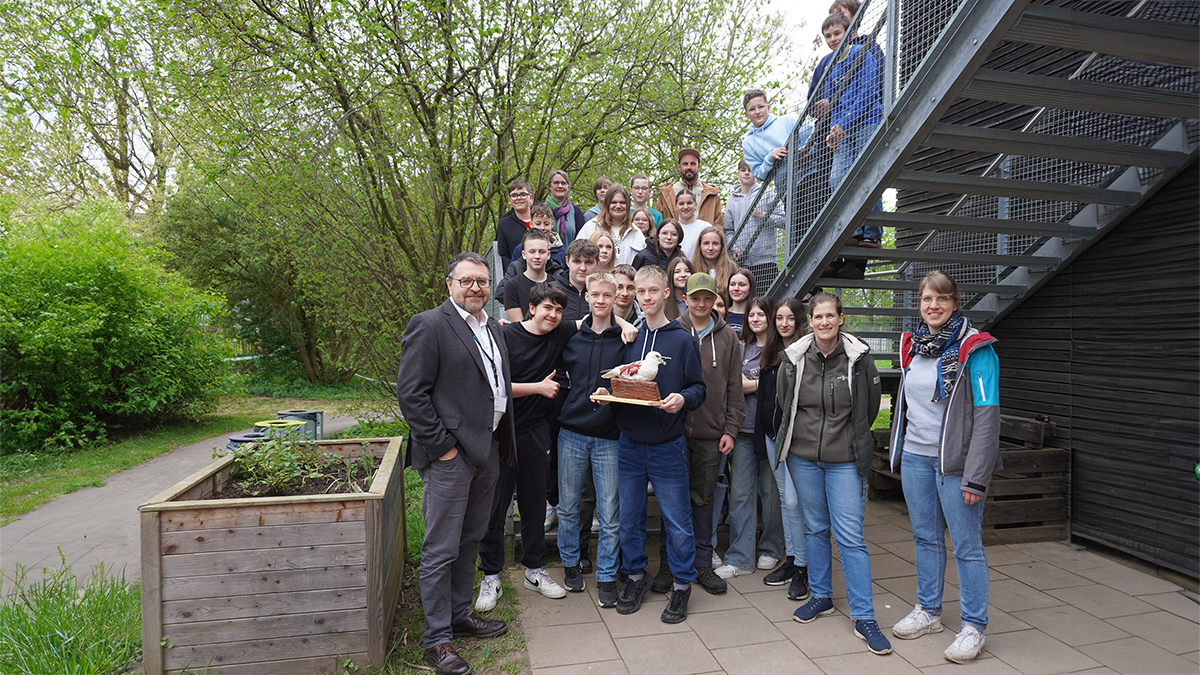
789,505
843,158
935,502
575,453
664,466
750,481
834,497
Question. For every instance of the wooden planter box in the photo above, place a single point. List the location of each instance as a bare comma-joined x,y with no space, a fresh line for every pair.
272,584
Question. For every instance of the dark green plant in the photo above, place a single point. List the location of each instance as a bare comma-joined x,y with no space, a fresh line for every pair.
95,334
276,465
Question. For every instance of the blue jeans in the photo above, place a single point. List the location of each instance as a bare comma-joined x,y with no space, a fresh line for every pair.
751,481
935,502
843,158
665,466
834,497
575,453
789,506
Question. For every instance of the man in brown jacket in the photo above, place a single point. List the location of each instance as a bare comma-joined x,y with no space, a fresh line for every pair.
709,197
710,430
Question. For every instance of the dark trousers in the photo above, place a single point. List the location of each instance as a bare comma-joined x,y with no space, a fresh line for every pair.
456,503
529,479
703,458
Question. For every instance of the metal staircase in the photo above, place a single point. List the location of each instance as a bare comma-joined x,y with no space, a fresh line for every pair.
1016,134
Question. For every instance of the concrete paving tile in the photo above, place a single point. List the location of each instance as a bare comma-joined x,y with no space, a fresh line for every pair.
1176,603
775,606
885,533
1128,580
1042,575
1013,596
888,610
616,667
905,588
900,520
1070,625
702,601
827,636
645,621
1101,601
589,643
925,651
1135,655
906,550
1070,556
1097,671
1192,656
771,658
539,611
1006,555
749,583
864,661
673,654
986,664
1174,634
888,565
1032,652
734,627
999,621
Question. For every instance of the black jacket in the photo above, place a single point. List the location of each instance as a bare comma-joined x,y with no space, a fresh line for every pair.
586,355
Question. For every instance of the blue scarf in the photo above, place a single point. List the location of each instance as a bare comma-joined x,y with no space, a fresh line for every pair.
942,345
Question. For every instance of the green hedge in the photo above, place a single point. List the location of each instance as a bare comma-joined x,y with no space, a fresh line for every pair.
95,334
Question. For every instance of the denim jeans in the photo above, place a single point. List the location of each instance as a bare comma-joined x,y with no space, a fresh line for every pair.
789,506
935,502
665,466
719,497
834,497
750,482
843,158
576,453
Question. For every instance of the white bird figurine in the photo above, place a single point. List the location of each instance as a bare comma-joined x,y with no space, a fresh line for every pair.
644,370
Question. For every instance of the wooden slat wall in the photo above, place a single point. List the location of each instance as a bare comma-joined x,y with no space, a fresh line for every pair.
1110,350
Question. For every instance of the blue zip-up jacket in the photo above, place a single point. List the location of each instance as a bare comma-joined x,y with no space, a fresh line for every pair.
681,373
585,356
860,104
758,143
969,444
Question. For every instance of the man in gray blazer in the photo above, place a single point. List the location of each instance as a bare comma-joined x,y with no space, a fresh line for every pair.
455,390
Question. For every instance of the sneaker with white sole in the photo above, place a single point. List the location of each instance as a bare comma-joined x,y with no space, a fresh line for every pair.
966,646
716,560
917,623
731,571
539,580
868,630
489,593
767,562
551,517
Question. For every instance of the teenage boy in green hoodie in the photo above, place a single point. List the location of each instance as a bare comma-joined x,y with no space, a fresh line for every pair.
710,430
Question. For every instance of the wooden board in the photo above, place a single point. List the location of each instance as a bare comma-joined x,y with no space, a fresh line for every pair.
315,665
197,657
607,398
285,581
256,538
263,604
295,558
1024,511
152,591
215,517
264,627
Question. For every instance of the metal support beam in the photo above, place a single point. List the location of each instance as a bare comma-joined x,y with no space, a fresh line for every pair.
1074,148
999,187
1129,38
946,257
974,314
1058,92
929,221
905,285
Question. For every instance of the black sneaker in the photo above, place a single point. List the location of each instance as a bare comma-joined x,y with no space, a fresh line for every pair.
608,593
782,574
585,564
676,611
631,596
663,580
799,589
708,579
573,580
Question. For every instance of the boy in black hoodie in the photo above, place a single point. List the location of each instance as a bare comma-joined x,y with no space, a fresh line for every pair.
588,438
652,449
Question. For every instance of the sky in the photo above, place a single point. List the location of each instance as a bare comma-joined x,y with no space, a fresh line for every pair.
804,19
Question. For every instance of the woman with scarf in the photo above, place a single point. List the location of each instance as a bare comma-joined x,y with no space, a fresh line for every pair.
946,443
568,218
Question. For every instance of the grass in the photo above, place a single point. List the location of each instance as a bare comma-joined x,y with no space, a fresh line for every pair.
28,480
64,626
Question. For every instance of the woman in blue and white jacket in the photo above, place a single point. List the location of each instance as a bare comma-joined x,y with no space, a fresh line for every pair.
946,442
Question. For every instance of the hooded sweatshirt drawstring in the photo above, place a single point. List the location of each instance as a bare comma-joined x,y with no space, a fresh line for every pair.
712,343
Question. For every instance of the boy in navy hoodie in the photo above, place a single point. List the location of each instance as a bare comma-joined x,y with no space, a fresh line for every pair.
652,448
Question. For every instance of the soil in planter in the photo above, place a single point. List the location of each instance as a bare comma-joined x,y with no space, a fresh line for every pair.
338,483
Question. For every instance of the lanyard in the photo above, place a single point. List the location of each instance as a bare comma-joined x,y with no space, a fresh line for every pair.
491,358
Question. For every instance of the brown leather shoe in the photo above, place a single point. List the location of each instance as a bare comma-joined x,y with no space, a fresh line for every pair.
478,627
446,661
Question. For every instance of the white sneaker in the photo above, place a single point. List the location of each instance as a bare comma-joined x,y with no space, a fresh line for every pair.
539,580
551,517
767,562
966,646
917,623
716,560
489,592
731,571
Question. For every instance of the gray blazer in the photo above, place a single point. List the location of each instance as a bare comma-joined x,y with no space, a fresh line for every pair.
443,390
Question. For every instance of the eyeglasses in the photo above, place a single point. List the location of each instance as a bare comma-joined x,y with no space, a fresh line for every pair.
519,195
559,182
468,283
941,299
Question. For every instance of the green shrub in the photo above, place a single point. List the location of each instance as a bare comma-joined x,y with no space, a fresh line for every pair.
95,334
